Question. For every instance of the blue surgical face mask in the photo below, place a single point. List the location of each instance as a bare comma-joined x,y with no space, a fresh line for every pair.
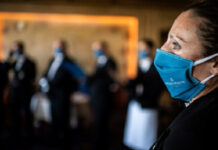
176,73
98,53
17,53
58,52
142,54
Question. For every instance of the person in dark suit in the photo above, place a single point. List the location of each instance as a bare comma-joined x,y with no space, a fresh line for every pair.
101,91
142,117
188,65
22,87
59,83
3,84
142,87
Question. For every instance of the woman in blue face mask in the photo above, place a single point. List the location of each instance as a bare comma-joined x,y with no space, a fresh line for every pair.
188,65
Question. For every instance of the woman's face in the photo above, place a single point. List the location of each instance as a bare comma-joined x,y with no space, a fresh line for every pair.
183,40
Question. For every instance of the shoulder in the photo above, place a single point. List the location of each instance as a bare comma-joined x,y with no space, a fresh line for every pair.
111,59
200,110
196,126
211,110
68,63
30,62
1,65
111,62
68,60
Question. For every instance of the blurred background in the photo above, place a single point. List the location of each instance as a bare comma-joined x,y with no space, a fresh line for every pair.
154,21
74,26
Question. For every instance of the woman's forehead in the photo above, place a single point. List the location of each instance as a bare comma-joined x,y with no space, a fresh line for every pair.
185,26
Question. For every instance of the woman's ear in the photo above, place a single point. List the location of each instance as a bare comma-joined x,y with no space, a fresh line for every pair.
214,68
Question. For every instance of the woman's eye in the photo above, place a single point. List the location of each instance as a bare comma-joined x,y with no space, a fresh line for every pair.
175,46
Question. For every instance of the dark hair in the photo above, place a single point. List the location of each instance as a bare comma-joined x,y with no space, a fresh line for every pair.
63,44
20,46
104,44
208,29
149,42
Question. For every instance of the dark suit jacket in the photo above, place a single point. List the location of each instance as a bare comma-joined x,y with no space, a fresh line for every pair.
195,128
61,87
3,79
3,83
22,85
151,84
100,83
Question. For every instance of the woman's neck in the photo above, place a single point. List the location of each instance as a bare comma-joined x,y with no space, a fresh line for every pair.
210,86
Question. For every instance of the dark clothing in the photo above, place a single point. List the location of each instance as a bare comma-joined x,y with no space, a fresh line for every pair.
21,91
3,78
146,87
195,128
61,86
3,83
102,100
100,83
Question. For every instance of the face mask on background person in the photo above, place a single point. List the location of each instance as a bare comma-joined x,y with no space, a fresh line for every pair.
58,52
142,54
144,60
176,73
17,53
98,53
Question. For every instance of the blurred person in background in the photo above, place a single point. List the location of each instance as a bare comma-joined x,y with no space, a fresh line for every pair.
142,116
21,89
59,83
101,89
3,84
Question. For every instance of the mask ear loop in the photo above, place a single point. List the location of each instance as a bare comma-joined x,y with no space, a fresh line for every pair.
208,78
205,59
202,61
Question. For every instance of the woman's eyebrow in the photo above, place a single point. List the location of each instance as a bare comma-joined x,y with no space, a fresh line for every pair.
178,37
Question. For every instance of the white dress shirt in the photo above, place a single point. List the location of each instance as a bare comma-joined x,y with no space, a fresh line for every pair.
54,66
